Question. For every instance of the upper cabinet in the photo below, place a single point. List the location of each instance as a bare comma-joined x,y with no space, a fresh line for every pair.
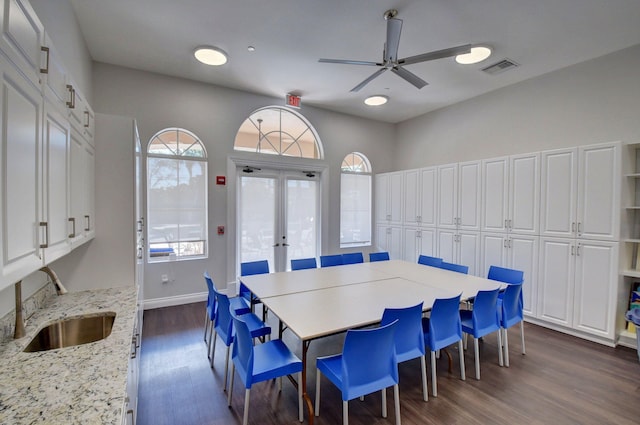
581,193
510,194
459,195
420,197
389,194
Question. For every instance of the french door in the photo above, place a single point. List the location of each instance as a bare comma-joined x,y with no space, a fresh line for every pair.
278,216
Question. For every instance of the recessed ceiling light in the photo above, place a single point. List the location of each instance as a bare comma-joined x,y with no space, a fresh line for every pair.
251,48
376,100
210,55
477,54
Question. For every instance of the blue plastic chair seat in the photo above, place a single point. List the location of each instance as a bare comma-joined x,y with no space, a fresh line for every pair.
425,260
303,263
352,258
378,256
330,260
459,268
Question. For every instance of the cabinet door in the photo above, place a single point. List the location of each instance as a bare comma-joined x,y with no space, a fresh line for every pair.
447,245
428,196
598,192
55,78
494,247
426,242
20,176
495,194
448,196
21,38
556,280
56,203
558,199
78,168
382,198
469,192
88,216
595,289
395,198
469,251
411,197
410,244
524,194
523,255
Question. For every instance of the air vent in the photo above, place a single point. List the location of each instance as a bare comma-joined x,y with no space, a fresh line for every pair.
500,67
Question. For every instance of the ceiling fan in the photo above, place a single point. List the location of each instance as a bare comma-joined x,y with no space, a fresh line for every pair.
390,59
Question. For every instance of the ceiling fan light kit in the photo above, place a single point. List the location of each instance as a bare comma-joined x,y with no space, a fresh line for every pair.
390,59
477,54
376,100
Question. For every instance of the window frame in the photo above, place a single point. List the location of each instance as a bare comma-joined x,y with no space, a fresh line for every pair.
364,169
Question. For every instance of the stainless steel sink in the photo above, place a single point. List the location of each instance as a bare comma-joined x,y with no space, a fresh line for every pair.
72,331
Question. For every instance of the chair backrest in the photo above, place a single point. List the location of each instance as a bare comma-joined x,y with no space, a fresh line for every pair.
505,275
330,260
445,326
254,267
223,323
365,369
409,337
211,299
242,352
455,267
304,263
429,261
511,312
352,258
485,315
378,256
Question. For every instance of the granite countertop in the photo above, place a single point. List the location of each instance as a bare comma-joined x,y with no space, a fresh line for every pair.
84,384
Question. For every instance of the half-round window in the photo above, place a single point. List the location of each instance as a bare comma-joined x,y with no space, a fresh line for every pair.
276,130
355,162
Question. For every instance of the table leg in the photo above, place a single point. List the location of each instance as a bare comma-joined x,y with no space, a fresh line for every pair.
305,395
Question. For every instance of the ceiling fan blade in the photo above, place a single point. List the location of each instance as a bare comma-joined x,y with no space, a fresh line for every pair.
394,27
368,80
438,54
409,76
349,62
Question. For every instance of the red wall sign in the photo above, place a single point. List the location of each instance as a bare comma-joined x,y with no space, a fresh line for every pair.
293,100
221,180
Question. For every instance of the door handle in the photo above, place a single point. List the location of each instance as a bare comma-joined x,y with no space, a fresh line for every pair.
285,244
276,245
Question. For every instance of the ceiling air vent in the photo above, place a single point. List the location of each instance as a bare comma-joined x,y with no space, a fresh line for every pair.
500,67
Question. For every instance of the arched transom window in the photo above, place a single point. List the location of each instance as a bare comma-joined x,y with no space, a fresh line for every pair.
277,130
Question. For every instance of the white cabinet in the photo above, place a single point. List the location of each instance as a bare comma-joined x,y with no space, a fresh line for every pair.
577,285
460,247
459,195
130,408
389,193
389,238
581,192
420,197
54,77
418,241
82,193
510,194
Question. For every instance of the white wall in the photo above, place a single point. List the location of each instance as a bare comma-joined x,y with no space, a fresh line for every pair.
592,102
215,114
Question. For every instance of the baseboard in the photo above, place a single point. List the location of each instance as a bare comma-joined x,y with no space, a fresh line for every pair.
176,300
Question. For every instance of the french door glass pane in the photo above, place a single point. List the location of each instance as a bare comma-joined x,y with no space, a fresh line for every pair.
257,219
301,223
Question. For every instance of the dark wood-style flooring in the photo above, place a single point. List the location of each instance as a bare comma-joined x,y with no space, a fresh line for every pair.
561,380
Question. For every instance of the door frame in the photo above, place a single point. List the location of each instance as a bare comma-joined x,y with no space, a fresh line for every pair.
272,162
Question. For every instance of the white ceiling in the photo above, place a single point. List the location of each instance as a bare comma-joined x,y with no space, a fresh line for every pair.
291,35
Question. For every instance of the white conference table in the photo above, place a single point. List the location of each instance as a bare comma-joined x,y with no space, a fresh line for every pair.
314,303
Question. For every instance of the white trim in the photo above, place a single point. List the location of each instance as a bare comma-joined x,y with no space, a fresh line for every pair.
175,300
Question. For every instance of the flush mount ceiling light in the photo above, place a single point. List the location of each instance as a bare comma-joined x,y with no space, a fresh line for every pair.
477,54
376,100
210,55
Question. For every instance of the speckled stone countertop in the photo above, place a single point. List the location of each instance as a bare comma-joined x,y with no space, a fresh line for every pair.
85,384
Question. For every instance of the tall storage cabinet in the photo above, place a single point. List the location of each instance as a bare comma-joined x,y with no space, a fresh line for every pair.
388,200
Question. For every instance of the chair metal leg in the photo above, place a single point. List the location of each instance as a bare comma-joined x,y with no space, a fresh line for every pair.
317,408
245,416
345,412
476,353
506,348
384,402
209,341
213,350
462,371
500,353
206,324
226,368
396,402
423,366
522,335
434,383
233,371
300,412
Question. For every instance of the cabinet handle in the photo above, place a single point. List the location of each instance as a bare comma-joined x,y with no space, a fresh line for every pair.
86,114
134,345
573,227
72,97
418,234
578,250
133,420
46,234
45,70
579,228
87,220
510,224
506,223
510,245
573,250
139,227
72,220
505,243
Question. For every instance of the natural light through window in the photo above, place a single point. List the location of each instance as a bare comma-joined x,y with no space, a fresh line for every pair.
176,196
355,201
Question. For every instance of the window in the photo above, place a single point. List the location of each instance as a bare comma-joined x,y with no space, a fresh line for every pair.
278,131
176,195
355,201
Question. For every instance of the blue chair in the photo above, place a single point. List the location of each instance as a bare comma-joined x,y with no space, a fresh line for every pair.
459,268
261,363
330,260
304,263
360,370
224,329
442,329
512,277
509,309
409,338
352,258
239,306
481,321
248,269
429,261
378,256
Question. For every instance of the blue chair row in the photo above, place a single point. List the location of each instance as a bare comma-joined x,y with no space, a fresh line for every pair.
340,259
438,262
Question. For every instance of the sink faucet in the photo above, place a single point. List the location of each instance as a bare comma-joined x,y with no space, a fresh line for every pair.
19,327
